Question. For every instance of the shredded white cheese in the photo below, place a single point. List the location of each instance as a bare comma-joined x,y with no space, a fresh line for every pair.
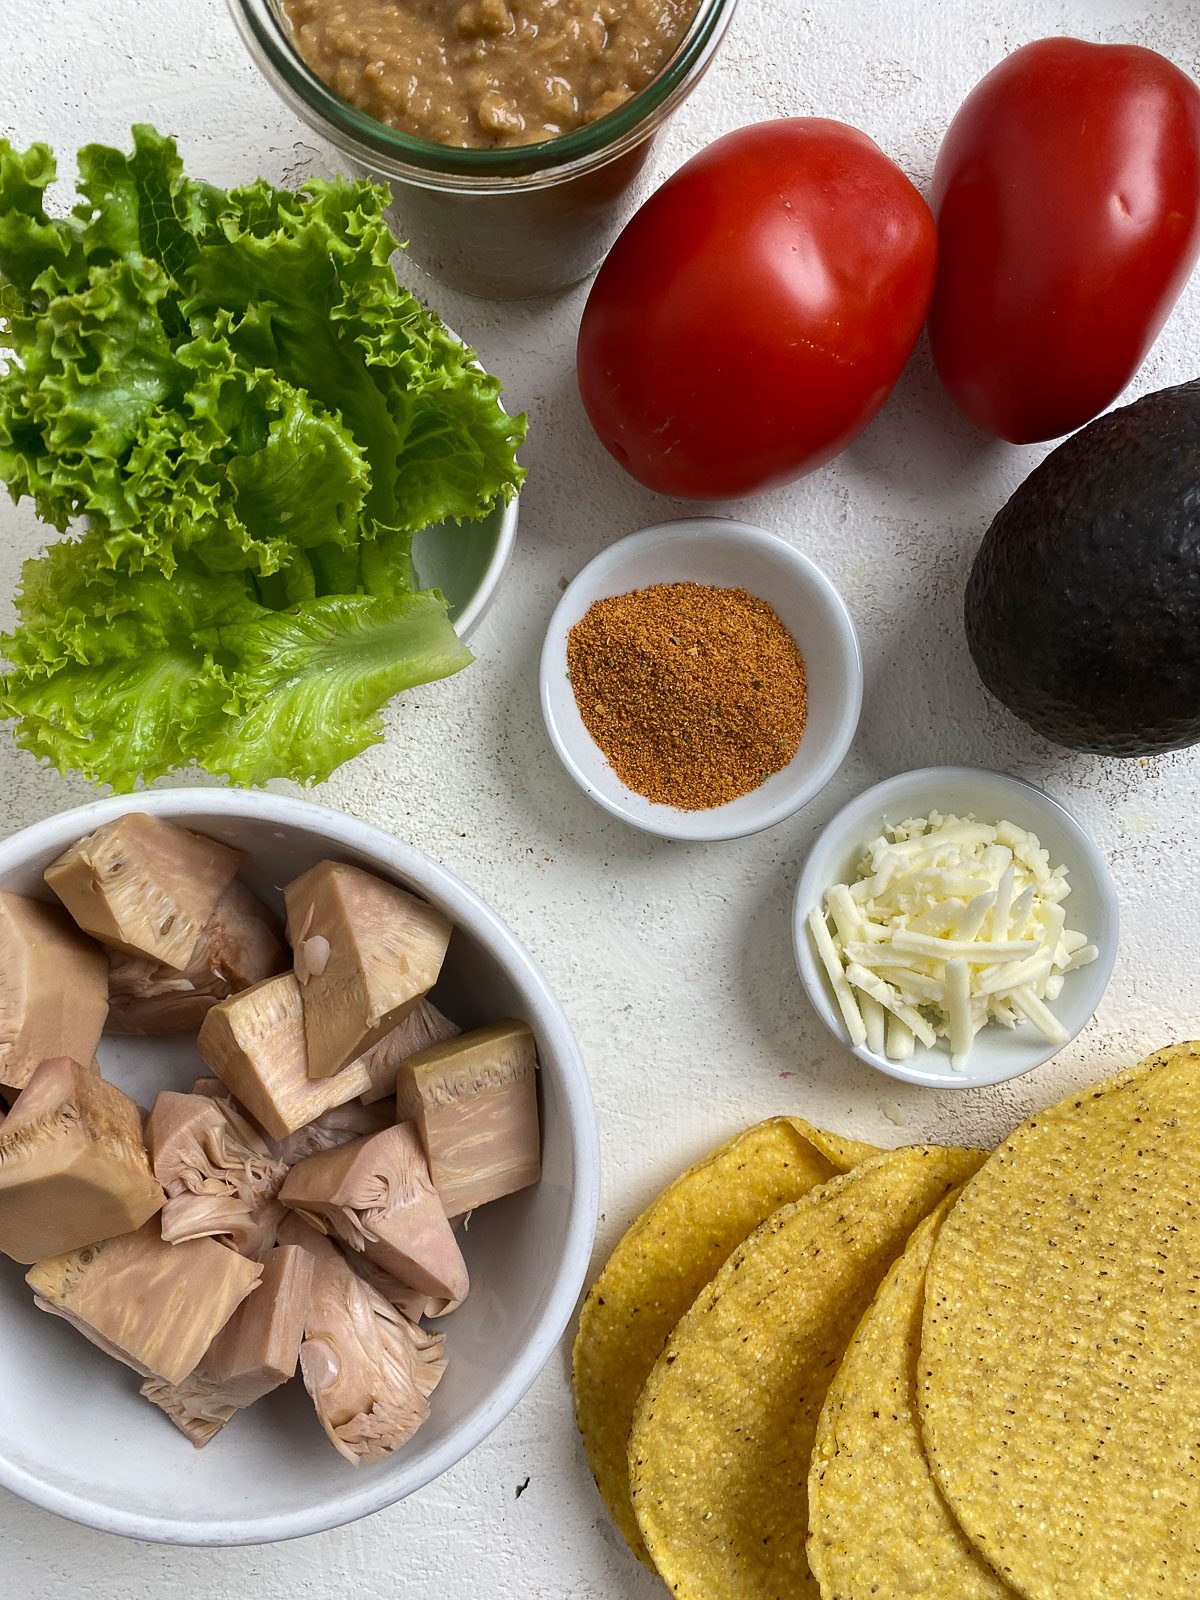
951,924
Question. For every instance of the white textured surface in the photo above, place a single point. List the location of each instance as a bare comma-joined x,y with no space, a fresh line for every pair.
673,962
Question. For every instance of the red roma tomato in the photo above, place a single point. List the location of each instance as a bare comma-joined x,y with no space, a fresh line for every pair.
1067,194
755,313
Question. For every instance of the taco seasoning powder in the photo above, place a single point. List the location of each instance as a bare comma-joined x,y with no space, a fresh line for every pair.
696,695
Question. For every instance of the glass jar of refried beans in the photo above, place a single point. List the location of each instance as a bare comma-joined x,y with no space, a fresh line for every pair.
518,132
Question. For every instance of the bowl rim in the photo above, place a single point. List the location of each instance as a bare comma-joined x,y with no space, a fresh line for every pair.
593,581
463,905
480,603
1089,859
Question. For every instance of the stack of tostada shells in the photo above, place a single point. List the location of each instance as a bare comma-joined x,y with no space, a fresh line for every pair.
813,1368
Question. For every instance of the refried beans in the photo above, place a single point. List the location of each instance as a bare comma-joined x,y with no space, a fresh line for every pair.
487,73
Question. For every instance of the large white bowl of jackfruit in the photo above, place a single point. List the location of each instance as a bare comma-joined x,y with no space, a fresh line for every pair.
298,1175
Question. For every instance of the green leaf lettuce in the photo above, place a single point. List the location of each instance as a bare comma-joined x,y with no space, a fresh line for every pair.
251,420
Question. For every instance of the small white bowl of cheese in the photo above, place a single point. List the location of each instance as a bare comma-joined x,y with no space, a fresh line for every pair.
955,927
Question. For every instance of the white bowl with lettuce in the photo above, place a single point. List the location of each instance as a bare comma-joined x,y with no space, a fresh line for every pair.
286,483
75,1435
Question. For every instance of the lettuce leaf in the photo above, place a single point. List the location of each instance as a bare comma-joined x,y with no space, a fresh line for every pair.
251,419
142,205
309,682
128,720
75,610
31,244
92,368
303,286
131,675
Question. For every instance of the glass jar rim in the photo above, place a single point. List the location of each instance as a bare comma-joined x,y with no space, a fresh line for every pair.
379,143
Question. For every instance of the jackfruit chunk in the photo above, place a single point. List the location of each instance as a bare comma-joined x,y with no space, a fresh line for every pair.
424,1025
73,1168
375,1194
239,945
365,954
254,1042
369,1370
474,1103
411,1302
220,1178
157,1307
334,1128
53,989
259,1346
144,886
214,1089
255,1352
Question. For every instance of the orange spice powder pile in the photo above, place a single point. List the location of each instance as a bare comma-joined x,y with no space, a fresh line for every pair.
696,695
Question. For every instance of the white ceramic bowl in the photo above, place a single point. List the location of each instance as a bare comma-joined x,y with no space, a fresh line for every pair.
725,554
76,1437
998,1053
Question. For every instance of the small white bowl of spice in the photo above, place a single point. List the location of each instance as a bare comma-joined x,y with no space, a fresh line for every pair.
955,927
701,680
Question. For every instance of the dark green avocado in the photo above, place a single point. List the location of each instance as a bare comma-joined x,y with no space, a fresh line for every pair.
1083,605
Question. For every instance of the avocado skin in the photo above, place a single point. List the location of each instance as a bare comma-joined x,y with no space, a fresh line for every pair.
1083,603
